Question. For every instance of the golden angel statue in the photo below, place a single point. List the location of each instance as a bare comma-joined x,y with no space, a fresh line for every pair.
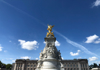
50,29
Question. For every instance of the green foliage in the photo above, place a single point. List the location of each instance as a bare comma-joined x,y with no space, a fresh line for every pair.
0,64
8,66
74,59
93,66
4,65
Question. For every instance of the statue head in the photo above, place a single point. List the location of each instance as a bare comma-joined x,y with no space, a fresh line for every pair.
49,26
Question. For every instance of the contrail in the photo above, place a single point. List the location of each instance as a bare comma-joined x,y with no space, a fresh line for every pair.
69,41
76,45
23,12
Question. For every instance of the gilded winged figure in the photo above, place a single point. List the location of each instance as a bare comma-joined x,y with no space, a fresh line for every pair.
50,29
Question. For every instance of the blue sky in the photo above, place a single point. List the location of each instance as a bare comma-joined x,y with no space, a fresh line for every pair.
23,27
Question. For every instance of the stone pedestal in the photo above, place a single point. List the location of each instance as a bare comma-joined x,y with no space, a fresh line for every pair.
50,57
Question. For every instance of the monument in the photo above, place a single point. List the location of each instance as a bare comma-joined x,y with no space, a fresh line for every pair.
50,57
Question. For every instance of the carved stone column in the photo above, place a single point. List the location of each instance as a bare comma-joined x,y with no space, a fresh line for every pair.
79,66
15,66
23,66
87,67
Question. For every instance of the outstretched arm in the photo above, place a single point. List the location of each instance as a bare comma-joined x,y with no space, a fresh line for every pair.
53,26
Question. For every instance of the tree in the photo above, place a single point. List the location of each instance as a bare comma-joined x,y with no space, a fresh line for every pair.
91,66
95,65
0,64
8,66
74,59
4,65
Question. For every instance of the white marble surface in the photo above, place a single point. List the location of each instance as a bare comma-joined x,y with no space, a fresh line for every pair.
50,57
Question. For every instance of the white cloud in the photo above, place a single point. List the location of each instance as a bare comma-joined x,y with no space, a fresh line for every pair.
5,51
9,41
96,3
62,58
7,59
91,39
76,44
92,62
44,42
29,45
36,58
96,42
13,61
26,57
10,58
75,54
56,43
93,58
1,47
98,62
2,59
99,39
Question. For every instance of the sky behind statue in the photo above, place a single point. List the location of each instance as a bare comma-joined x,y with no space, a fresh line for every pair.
23,26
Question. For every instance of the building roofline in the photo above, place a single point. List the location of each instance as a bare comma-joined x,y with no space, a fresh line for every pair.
75,60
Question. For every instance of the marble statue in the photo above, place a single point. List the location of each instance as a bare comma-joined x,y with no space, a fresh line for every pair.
50,57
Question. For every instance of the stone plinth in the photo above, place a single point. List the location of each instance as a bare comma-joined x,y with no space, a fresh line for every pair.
50,57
